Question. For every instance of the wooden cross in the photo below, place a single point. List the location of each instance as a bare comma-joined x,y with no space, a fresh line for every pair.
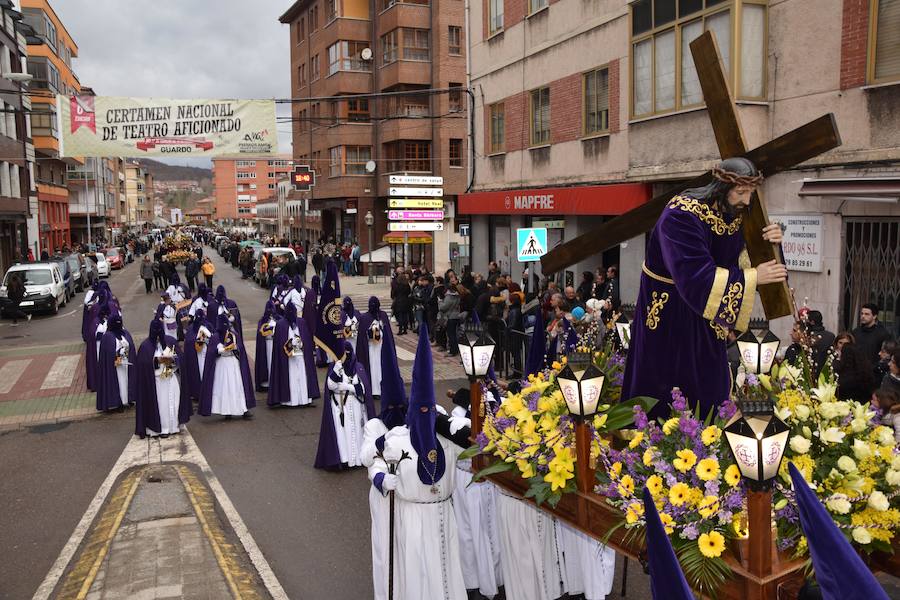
778,155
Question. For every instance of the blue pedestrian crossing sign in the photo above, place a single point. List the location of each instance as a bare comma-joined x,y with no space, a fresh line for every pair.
531,244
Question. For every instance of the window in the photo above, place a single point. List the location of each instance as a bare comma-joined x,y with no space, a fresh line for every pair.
334,164
271,186
663,74
495,16
301,75
314,68
498,127
455,97
346,56
332,10
358,110
386,4
44,124
301,30
356,158
408,156
313,18
456,153
246,175
270,175
245,163
884,49
389,47
46,76
406,106
252,186
335,112
314,115
304,122
536,5
596,101
415,44
455,36
540,116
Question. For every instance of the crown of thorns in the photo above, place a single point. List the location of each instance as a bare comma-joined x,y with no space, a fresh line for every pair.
735,178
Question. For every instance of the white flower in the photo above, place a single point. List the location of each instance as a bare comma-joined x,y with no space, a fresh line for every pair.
800,444
832,435
854,482
846,464
892,477
861,450
861,535
807,432
895,463
857,425
862,411
879,501
825,392
802,412
783,413
828,410
885,435
838,504
790,373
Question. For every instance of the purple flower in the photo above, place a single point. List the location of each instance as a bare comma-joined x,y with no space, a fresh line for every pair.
640,418
679,402
734,499
752,380
689,426
671,479
656,435
690,532
727,410
725,516
504,423
482,440
712,488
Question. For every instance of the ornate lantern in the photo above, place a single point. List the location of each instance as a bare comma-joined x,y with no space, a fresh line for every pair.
581,383
757,439
758,351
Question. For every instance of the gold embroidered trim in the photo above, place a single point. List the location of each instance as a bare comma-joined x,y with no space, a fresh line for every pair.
653,275
721,332
657,302
715,294
743,320
707,214
744,260
731,302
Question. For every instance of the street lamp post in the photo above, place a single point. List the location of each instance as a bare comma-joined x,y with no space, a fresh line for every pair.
370,221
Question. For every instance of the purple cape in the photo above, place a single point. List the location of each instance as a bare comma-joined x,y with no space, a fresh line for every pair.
108,397
146,413
328,456
212,313
209,375
90,352
280,384
261,364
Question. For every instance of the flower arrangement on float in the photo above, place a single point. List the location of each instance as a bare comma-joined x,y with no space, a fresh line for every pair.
177,242
179,256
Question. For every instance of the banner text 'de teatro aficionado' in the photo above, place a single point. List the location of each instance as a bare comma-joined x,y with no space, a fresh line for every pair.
135,127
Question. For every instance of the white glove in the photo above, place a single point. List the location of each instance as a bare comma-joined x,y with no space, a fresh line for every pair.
389,483
391,454
457,423
441,409
395,432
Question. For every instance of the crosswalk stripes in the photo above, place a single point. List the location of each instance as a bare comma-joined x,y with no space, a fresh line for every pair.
10,374
62,373
404,354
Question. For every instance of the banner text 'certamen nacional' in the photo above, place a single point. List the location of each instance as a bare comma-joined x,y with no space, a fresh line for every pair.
135,127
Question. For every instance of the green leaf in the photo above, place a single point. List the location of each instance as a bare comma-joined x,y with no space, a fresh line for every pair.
703,573
497,467
622,414
469,452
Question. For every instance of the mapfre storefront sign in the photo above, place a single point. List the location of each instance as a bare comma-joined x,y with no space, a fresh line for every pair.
613,199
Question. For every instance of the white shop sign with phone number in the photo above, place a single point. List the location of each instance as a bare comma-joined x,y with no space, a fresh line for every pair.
802,244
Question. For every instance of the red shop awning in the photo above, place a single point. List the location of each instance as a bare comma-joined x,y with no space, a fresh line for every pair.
612,199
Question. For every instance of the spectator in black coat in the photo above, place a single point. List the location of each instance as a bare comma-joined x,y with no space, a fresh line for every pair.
855,378
820,339
585,290
870,334
191,270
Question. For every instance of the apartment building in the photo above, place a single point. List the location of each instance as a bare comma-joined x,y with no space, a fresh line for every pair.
51,50
346,48
239,183
138,195
585,110
16,153
283,215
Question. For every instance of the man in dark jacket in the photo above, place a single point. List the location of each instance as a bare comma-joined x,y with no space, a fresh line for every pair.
820,339
870,334
15,290
191,270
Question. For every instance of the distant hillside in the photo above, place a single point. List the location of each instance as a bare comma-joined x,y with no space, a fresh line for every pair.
164,172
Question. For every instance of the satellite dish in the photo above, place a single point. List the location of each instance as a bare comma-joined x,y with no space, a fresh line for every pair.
370,166
366,54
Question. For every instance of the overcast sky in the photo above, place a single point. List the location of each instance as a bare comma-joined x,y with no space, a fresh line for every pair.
182,49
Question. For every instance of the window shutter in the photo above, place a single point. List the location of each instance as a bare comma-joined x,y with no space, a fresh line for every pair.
887,40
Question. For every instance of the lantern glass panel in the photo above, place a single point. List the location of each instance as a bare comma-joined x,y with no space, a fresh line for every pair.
749,354
769,347
624,331
772,453
465,354
745,450
591,386
481,354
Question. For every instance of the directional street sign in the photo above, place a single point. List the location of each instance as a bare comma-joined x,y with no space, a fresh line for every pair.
416,203
531,244
415,215
414,226
416,191
303,178
415,180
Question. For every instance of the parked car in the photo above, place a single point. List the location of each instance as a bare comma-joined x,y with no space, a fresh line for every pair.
114,258
77,267
66,272
44,287
275,253
100,263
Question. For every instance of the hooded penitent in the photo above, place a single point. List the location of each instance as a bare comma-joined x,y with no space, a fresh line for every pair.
536,359
374,313
393,393
86,313
108,392
221,336
221,300
328,456
99,312
840,572
146,414
667,581
422,414
190,372
280,383
261,364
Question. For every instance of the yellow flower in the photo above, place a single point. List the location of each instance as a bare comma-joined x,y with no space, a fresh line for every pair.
634,512
685,461
732,475
648,456
626,486
708,506
711,544
615,469
670,425
668,522
556,366
655,485
600,421
711,435
679,494
526,468
696,496
636,440
708,469
556,479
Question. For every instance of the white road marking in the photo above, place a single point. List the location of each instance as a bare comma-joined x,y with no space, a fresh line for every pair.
62,372
10,374
68,314
404,354
176,448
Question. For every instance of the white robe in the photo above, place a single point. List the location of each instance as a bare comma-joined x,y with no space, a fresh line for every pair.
201,356
228,386
169,321
269,342
168,398
298,299
198,304
375,361
122,349
350,435
588,565
176,294
428,561
89,297
379,510
296,375
98,335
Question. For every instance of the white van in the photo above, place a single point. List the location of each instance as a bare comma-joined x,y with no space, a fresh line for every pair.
45,288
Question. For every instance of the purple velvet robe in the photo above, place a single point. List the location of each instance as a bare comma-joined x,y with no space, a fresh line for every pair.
209,375
108,397
328,456
696,285
280,383
146,412
362,341
212,313
90,352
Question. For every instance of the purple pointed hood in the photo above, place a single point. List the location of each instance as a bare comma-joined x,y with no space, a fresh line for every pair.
200,320
374,306
422,415
115,323
394,405
316,284
157,332
349,358
348,306
667,580
220,294
290,313
298,283
223,325
840,572
96,285
175,280
268,311
536,351
202,291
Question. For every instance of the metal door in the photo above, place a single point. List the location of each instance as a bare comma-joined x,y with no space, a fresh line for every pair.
871,270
